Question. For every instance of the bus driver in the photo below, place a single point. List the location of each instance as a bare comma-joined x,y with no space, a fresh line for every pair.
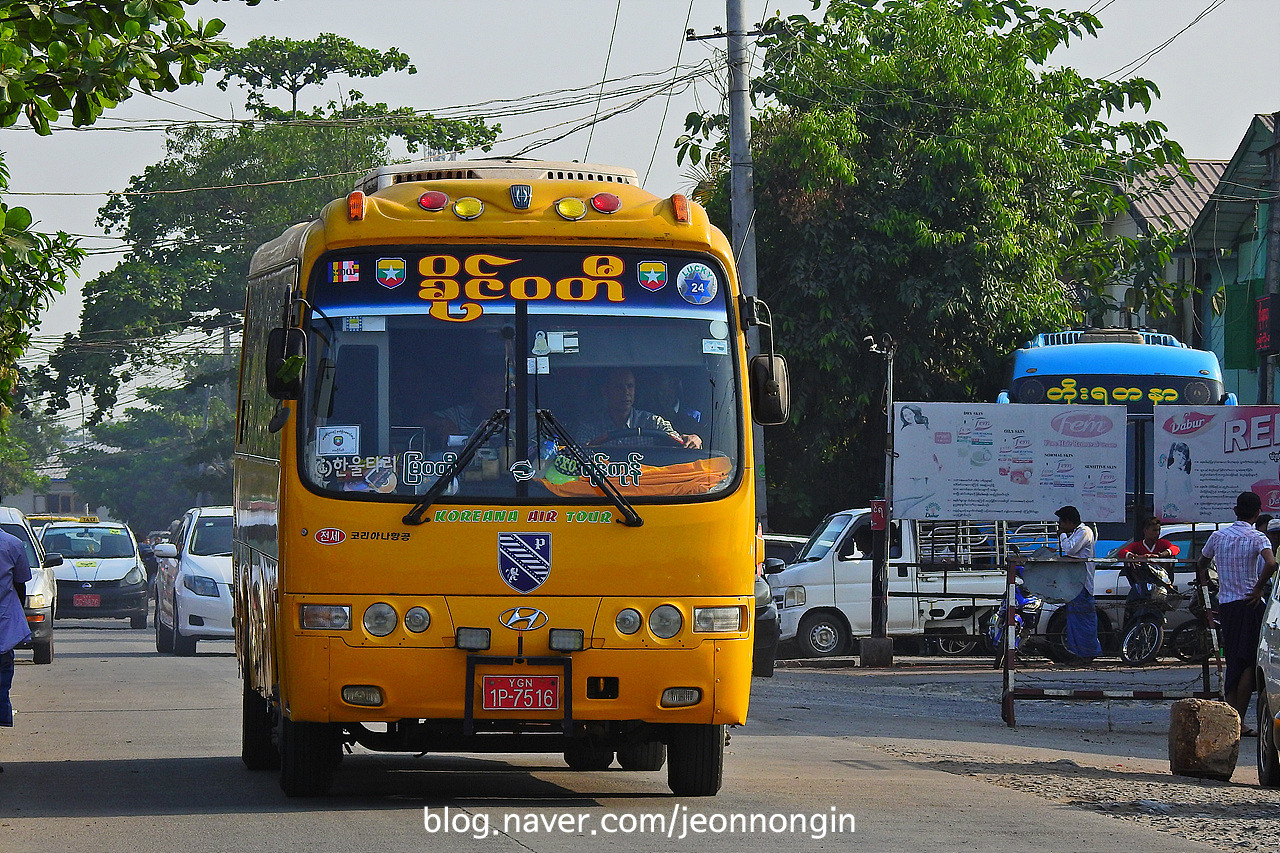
618,392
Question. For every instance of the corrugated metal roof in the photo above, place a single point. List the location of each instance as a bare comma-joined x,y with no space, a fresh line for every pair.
1242,185
1177,198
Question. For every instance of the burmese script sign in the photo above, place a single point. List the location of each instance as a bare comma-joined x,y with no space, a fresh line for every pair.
1207,455
1008,461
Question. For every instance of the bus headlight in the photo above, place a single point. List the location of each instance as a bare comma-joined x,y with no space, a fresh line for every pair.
665,621
380,619
793,596
566,639
472,639
717,620
326,617
417,619
628,621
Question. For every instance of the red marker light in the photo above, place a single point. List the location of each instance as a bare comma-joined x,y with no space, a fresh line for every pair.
606,202
355,206
433,200
680,207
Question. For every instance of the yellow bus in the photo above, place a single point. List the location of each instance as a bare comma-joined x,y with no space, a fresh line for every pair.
493,477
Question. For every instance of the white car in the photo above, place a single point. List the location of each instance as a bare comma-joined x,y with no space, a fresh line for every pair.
1268,684
193,582
42,590
101,574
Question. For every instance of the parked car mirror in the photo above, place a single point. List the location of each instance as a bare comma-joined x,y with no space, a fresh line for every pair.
772,565
770,390
52,560
166,549
285,363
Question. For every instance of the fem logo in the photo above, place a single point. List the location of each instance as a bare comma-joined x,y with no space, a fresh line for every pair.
330,536
1081,425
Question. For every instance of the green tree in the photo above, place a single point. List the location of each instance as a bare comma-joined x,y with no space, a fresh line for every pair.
161,458
62,57
921,172
194,219
27,441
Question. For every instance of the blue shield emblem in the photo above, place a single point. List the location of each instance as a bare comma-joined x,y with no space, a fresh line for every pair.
521,196
524,560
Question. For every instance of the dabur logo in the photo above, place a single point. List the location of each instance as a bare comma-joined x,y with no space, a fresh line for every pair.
330,536
1191,422
1081,425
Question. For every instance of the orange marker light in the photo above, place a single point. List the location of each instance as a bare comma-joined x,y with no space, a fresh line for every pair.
355,206
680,207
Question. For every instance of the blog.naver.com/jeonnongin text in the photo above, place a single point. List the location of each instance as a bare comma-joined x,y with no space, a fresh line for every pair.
678,823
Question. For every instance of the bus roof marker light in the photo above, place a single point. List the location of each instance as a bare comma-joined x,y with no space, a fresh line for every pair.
606,202
571,209
356,203
468,208
680,207
433,201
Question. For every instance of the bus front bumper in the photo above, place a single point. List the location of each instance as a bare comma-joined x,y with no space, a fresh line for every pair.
604,685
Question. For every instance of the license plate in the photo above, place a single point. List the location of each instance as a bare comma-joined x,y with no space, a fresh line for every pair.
521,692
85,599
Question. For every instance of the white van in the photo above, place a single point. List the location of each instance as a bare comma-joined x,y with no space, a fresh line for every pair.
944,578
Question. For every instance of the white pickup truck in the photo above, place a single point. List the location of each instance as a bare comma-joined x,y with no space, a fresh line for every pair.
945,577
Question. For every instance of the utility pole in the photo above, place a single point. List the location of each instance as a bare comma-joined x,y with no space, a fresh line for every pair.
742,203
877,650
1271,274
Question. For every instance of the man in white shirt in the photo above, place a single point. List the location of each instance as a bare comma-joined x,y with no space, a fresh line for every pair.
1076,542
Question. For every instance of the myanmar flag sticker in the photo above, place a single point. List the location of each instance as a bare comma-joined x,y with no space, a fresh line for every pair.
653,275
391,272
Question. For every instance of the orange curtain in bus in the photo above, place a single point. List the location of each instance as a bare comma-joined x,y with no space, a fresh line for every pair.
687,478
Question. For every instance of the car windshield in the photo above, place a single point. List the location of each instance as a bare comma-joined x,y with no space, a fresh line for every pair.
99,543
823,539
21,533
411,356
211,536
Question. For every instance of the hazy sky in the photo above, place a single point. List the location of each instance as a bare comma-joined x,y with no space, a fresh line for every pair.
1214,76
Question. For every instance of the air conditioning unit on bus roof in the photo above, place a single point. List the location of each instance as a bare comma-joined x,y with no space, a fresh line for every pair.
1105,336
493,168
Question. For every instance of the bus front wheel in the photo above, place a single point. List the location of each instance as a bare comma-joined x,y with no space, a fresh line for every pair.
309,755
695,760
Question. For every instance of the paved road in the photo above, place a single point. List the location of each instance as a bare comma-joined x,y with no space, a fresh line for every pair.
116,747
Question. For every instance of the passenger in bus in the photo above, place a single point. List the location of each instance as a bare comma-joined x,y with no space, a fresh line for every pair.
487,393
618,397
670,405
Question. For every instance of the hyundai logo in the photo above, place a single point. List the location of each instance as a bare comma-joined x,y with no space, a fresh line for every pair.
521,196
523,618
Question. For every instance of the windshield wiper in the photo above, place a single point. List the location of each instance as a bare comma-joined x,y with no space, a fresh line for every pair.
477,439
583,458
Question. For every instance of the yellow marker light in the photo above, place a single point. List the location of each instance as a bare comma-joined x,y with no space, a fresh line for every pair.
355,206
468,208
571,209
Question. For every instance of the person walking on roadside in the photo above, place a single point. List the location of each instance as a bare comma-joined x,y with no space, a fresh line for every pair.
1075,541
15,571
1245,564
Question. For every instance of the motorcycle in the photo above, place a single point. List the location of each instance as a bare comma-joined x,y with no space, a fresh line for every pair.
1151,595
1026,615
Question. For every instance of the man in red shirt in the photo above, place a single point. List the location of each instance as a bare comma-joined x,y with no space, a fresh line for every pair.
1149,546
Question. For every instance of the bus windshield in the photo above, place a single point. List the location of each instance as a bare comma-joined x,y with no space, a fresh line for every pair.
412,352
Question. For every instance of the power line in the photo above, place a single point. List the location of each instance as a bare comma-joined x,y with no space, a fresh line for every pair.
1132,67
617,12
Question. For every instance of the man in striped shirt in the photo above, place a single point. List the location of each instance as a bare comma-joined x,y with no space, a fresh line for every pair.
1245,563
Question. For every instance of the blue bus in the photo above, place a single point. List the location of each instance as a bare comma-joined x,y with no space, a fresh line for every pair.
1131,367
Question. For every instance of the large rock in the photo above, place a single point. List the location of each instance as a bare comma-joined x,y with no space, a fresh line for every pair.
1204,739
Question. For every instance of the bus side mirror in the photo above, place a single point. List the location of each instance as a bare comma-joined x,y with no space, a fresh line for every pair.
770,390
286,358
